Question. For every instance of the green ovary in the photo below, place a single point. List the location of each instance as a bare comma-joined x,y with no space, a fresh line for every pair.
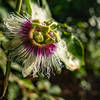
38,37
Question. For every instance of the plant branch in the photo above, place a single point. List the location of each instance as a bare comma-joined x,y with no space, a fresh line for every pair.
8,69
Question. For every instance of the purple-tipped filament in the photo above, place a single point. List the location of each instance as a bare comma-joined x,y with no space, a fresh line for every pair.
27,33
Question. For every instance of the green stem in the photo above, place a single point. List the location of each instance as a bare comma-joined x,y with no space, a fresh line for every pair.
8,69
28,6
40,2
18,6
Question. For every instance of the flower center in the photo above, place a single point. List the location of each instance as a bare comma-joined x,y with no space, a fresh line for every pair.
42,35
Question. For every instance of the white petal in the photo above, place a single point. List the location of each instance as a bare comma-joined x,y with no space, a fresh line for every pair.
69,60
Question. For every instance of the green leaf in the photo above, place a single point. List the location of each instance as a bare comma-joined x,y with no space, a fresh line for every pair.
43,85
46,97
55,90
28,5
74,46
13,91
2,37
27,83
85,85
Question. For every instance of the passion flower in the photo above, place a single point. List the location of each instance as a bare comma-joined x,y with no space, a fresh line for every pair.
37,44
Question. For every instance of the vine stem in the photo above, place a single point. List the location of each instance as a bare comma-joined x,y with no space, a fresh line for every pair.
8,69
40,2
18,6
